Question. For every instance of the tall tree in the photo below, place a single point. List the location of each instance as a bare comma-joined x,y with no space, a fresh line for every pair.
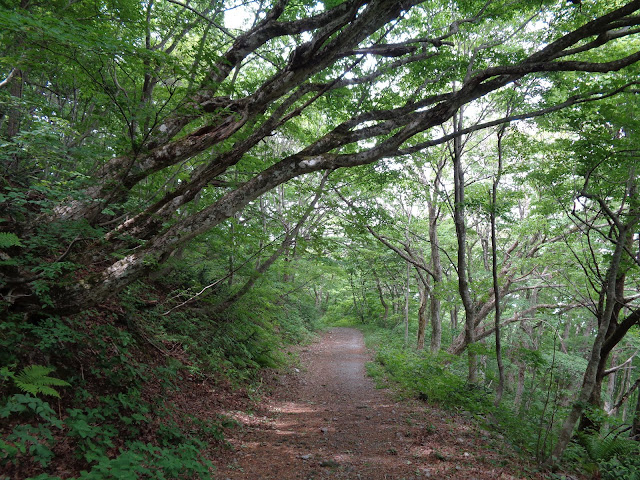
606,212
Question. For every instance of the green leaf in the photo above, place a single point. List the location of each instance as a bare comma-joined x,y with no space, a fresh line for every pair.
9,240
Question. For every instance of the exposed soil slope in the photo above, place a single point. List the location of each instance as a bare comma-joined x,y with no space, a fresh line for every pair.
329,421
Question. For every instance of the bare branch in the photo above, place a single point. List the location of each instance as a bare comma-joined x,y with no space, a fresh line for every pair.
6,81
621,366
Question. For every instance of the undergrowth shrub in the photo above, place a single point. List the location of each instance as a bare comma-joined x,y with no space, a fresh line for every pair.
530,428
247,337
144,460
31,436
607,457
621,468
441,380
427,378
124,361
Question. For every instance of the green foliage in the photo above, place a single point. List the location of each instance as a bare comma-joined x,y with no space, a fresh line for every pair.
96,90
611,457
621,468
27,441
247,337
568,367
26,404
93,433
426,376
144,460
112,409
116,421
53,334
36,442
8,239
441,380
603,449
35,379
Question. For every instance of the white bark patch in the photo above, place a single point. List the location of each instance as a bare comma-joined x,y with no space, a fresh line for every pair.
310,162
119,269
163,128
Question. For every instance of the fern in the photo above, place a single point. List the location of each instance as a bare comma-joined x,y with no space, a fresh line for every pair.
35,379
603,449
9,240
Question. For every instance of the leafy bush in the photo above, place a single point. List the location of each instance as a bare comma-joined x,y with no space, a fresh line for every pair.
26,441
621,468
143,460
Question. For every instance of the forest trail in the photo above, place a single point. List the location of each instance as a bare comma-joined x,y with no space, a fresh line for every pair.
328,421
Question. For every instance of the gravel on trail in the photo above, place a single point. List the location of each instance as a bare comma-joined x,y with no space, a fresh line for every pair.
327,420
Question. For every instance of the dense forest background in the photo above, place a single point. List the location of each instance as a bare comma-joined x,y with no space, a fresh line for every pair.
189,186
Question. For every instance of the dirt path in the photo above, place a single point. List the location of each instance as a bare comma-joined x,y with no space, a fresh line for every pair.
328,421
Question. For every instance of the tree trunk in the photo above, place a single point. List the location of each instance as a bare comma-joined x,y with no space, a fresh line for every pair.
436,265
635,425
436,323
422,314
454,318
625,384
384,304
462,264
517,401
616,328
590,380
494,270
395,299
406,305
611,387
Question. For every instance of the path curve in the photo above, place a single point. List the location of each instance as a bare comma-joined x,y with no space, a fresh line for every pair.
328,421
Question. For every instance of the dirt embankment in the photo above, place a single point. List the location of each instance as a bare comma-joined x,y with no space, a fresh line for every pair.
328,421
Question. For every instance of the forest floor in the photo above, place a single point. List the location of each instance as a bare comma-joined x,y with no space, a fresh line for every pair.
327,420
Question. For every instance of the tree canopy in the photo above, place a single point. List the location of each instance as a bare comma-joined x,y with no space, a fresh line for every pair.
165,90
